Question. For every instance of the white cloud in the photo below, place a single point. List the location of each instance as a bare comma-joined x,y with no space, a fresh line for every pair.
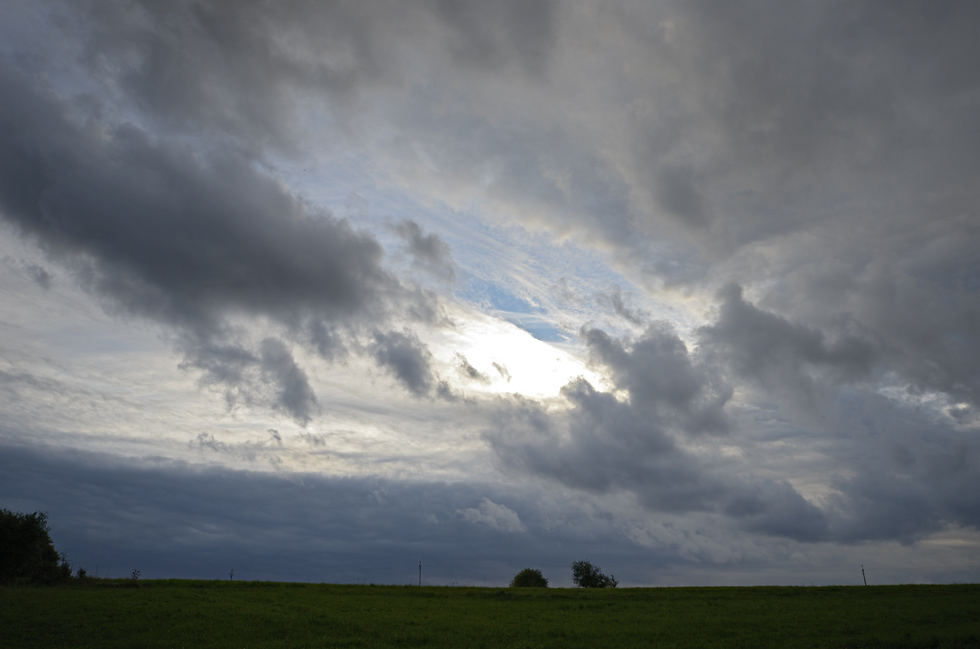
499,517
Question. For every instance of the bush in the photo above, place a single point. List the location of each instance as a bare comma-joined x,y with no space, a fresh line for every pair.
585,575
27,554
529,578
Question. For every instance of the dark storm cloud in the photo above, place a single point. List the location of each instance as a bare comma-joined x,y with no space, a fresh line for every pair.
188,239
168,233
777,353
933,490
894,324
659,373
605,445
170,519
925,309
756,120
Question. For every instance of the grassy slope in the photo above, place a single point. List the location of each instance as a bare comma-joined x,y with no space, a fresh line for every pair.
173,613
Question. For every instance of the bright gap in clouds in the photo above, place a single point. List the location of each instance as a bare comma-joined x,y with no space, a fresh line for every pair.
489,355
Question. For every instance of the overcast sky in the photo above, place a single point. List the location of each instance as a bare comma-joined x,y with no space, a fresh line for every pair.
315,291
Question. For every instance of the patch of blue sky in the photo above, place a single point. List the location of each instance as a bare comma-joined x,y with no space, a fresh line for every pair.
542,329
493,297
542,284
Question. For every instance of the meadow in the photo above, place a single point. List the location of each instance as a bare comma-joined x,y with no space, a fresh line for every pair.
183,613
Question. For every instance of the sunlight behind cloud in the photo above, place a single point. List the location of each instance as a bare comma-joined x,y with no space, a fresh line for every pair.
510,359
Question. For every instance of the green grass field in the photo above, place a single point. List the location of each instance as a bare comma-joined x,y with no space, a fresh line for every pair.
177,613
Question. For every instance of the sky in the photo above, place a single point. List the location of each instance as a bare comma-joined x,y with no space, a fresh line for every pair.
316,291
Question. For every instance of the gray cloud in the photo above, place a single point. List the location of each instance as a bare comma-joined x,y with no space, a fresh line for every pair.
604,445
294,396
407,358
232,68
502,370
661,376
777,353
168,235
172,519
757,134
190,240
499,517
823,157
607,444
469,372
35,272
679,195
492,34
615,303
428,251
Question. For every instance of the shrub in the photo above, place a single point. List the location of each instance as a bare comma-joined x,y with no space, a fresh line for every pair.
27,554
529,578
585,575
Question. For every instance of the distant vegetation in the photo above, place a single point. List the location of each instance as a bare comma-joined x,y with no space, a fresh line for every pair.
529,578
585,575
27,555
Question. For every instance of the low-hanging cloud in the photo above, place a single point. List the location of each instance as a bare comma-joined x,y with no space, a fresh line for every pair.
604,445
494,515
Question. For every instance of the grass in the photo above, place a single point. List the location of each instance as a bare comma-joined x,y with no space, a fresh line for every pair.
180,613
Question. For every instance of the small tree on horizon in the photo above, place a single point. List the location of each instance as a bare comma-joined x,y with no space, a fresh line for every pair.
585,575
529,578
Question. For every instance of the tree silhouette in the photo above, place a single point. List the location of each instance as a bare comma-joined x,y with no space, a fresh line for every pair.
27,554
585,575
529,578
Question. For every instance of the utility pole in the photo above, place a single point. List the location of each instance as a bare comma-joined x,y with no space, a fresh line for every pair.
231,575
862,575
420,573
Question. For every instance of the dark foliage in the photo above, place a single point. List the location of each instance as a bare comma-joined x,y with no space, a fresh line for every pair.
27,554
529,578
586,575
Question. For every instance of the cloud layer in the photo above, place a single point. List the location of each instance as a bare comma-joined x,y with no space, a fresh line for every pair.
742,238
